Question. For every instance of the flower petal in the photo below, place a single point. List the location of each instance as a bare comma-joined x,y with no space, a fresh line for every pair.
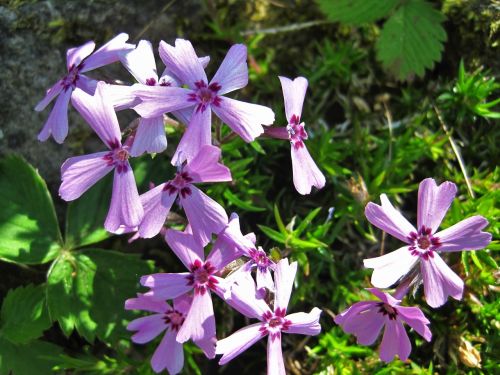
465,235
184,246
364,322
389,268
358,307
284,276
141,302
79,173
121,97
305,324
74,56
86,84
245,119
416,319
147,327
243,297
183,303
433,202
264,280
49,96
157,100
183,62
440,281
57,123
233,72
305,171
205,215
108,53
395,341
99,114
157,204
294,93
197,134
150,137
126,208
387,218
140,62
275,364
384,297
205,166
166,285
168,355
235,344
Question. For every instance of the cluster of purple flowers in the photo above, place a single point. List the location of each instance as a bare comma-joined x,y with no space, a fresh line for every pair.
261,288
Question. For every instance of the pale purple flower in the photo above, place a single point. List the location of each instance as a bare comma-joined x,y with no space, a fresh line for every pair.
202,97
272,321
169,354
79,60
82,172
205,215
306,173
423,244
201,278
366,319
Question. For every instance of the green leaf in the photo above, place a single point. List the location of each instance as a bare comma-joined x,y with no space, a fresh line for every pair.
412,39
356,12
232,198
272,234
279,221
24,315
37,357
85,216
29,232
307,220
86,290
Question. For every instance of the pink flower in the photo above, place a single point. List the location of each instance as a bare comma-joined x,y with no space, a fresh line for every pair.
78,60
272,321
305,171
169,355
366,319
201,278
202,97
424,244
204,214
81,172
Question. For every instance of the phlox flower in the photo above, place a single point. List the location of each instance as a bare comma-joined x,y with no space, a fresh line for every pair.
203,97
272,323
366,319
305,171
81,172
79,60
423,244
199,324
205,215
169,354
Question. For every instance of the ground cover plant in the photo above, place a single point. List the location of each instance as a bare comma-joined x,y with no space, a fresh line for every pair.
306,188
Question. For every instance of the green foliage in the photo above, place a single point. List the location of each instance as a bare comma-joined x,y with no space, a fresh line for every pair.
37,357
356,12
29,232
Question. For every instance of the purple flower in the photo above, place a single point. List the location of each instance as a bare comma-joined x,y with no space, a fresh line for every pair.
423,244
305,171
169,355
204,214
79,60
81,172
366,319
201,278
202,97
272,322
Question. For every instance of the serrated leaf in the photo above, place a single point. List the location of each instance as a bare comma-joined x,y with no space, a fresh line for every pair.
411,39
37,357
356,12
24,314
86,290
29,232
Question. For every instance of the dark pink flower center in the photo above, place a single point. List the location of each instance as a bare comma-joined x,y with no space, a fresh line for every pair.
260,259
73,75
174,319
274,323
423,243
205,95
152,82
181,183
296,132
201,277
388,310
118,158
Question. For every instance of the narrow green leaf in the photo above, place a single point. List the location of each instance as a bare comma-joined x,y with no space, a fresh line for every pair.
240,203
307,220
29,232
24,314
272,234
279,221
